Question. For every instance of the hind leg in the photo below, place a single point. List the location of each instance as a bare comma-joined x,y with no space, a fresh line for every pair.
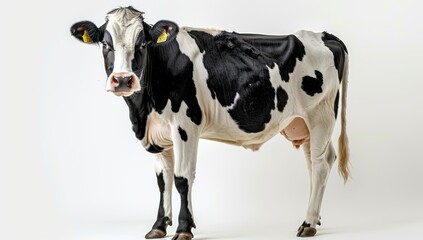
319,173
320,156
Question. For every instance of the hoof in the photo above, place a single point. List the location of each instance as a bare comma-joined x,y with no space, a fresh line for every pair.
155,233
306,230
182,236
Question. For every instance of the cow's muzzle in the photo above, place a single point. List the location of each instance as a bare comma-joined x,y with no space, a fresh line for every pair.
123,84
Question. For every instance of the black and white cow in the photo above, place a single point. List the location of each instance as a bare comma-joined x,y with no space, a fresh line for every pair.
183,84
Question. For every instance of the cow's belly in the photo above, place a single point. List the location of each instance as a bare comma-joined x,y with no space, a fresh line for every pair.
251,141
224,129
295,130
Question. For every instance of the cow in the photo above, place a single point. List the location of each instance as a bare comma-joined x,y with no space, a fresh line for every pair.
182,84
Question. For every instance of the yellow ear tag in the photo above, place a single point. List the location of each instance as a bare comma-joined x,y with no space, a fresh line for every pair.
162,37
86,38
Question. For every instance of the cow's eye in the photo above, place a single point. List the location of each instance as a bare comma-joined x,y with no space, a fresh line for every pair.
140,46
106,46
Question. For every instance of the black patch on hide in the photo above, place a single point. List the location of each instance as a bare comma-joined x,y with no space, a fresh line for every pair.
153,148
336,104
139,108
338,48
183,134
162,221
282,97
186,223
312,85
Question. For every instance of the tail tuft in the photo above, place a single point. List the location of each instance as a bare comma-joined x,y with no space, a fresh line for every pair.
343,148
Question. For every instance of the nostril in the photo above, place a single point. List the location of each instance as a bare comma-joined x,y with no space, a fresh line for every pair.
115,82
130,81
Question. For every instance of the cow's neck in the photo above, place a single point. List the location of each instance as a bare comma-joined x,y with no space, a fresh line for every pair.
140,107
169,78
164,73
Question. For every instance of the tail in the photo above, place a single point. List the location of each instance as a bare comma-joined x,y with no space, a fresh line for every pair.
343,149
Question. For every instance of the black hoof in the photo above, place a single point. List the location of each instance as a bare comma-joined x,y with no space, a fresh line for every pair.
182,236
306,230
155,233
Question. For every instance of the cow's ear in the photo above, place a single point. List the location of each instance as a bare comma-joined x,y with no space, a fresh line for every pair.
87,32
163,32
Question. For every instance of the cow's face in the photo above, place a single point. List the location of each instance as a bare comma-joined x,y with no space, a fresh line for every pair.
123,41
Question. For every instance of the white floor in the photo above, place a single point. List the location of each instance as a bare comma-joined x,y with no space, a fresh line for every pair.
361,230
371,222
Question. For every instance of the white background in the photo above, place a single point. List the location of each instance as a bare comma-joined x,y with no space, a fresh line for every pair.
72,169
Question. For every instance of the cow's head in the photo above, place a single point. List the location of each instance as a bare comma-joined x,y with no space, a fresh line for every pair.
124,37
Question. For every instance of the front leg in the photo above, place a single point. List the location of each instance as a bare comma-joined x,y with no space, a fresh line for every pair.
164,172
185,148
185,220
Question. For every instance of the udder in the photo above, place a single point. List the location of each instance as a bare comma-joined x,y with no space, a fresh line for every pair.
297,132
